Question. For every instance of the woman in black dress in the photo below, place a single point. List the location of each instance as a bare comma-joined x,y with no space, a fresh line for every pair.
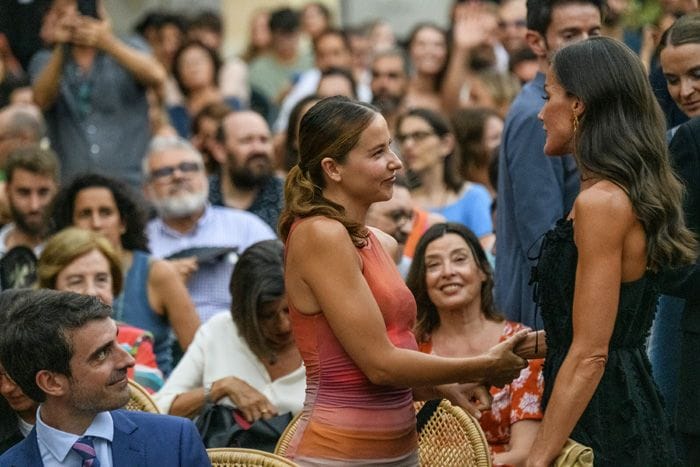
597,277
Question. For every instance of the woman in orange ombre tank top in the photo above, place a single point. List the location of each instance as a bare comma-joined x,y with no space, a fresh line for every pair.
351,313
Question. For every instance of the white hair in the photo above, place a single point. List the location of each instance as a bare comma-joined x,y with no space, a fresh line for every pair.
167,143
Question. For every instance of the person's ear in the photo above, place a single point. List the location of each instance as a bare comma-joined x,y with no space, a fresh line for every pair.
578,107
537,43
448,144
52,384
331,168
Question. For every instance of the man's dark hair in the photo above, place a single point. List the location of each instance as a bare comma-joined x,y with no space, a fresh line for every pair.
128,204
34,334
208,20
539,12
332,32
284,20
33,159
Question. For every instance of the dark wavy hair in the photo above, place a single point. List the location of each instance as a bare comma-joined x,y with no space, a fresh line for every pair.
257,279
331,128
621,138
130,208
539,12
439,124
428,317
211,53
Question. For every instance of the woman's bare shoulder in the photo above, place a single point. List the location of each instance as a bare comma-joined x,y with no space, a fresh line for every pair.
604,200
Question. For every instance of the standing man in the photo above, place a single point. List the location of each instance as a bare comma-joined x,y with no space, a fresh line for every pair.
61,348
92,89
247,180
201,235
31,183
535,190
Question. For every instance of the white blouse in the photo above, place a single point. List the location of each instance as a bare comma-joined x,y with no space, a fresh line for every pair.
218,351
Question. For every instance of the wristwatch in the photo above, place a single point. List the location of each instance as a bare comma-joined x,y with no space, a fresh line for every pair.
207,393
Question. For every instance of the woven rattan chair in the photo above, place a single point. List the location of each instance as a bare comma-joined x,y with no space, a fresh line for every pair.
238,457
450,437
140,400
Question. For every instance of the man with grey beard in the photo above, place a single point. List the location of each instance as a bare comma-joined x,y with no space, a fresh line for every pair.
247,180
203,238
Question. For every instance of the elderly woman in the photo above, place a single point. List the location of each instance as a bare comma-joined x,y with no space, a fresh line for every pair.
452,281
153,296
84,262
247,358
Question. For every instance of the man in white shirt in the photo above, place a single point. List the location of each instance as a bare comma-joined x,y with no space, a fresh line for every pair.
202,236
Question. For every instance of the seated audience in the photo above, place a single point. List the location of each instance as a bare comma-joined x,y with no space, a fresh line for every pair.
62,350
153,297
84,262
187,226
452,281
246,358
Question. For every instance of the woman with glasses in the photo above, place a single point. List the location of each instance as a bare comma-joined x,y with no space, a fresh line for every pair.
154,296
428,147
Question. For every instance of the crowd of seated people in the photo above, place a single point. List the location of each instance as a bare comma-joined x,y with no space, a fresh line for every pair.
147,168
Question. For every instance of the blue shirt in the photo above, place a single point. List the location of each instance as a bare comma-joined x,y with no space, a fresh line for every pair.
55,446
217,227
534,191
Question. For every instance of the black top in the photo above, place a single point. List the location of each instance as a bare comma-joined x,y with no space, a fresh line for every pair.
624,422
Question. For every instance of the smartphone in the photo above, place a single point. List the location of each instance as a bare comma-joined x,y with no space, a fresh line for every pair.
88,8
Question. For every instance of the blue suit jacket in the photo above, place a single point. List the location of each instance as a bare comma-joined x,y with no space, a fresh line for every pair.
140,440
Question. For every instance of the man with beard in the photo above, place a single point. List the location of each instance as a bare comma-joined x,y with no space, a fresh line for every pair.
389,84
31,183
61,349
204,238
247,179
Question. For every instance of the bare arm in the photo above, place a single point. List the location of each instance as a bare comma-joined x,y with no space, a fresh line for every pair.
603,220
522,435
91,32
323,273
167,293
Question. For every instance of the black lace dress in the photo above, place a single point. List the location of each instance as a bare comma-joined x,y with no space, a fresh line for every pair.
624,422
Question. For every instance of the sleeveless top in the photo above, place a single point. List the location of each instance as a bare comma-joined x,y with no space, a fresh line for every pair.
346,418
624,422
132,306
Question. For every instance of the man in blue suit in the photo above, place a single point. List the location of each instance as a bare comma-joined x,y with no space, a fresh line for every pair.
61,349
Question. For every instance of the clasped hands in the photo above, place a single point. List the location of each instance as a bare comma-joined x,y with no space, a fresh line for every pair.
251,402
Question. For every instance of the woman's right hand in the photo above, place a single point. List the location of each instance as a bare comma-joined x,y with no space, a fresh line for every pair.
251,402
506,364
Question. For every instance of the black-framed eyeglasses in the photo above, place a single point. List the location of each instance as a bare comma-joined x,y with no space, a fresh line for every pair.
168,171
416,136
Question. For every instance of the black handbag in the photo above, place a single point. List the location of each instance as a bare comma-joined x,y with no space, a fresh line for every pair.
221,426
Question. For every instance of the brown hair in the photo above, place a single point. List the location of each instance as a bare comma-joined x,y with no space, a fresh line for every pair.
67,246
331,128
34,159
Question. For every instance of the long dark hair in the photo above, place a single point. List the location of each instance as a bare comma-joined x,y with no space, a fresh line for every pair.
621,138
130,211
428,317
258,278
331,128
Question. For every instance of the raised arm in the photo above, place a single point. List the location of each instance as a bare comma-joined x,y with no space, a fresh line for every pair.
604,222
98,33
323,273
56,30
167,293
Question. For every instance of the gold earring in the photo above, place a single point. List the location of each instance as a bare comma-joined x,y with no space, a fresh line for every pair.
575,123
